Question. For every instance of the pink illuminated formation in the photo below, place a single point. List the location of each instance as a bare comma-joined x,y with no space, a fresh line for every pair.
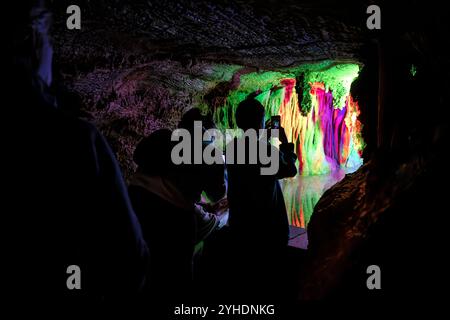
324,127
328,143
326,138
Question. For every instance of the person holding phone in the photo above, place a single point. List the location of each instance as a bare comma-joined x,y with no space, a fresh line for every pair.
257,216
275,122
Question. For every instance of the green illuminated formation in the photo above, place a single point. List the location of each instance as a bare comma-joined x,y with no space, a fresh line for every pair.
321,120
413,70
337,79
323,125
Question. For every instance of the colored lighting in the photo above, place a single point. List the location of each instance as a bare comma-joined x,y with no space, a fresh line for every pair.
323,125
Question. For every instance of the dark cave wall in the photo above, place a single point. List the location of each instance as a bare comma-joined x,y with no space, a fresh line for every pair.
131,102
388,213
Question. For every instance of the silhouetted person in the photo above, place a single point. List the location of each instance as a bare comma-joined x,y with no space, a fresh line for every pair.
167,218
205,183
258,219
256,201
167,199
201,177
66,200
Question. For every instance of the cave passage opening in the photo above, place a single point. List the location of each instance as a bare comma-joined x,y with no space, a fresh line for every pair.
319,116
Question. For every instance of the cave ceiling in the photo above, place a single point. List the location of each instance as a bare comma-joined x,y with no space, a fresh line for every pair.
262,34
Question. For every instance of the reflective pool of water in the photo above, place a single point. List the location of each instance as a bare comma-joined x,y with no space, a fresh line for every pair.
302,193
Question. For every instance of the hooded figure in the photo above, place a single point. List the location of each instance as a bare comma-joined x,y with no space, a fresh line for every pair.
167,218
75,232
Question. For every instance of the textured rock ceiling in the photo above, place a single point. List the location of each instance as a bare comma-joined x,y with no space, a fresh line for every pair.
263,34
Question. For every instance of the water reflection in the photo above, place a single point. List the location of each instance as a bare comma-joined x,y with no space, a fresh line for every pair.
302,193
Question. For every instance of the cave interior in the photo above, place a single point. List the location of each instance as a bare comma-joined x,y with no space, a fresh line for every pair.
351,99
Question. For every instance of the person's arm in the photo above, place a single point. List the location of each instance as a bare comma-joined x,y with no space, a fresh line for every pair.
206,222
287,157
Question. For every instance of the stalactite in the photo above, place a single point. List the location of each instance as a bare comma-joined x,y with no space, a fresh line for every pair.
326,132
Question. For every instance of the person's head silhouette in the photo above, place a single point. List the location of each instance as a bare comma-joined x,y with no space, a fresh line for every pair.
31,48
250,115
152,154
